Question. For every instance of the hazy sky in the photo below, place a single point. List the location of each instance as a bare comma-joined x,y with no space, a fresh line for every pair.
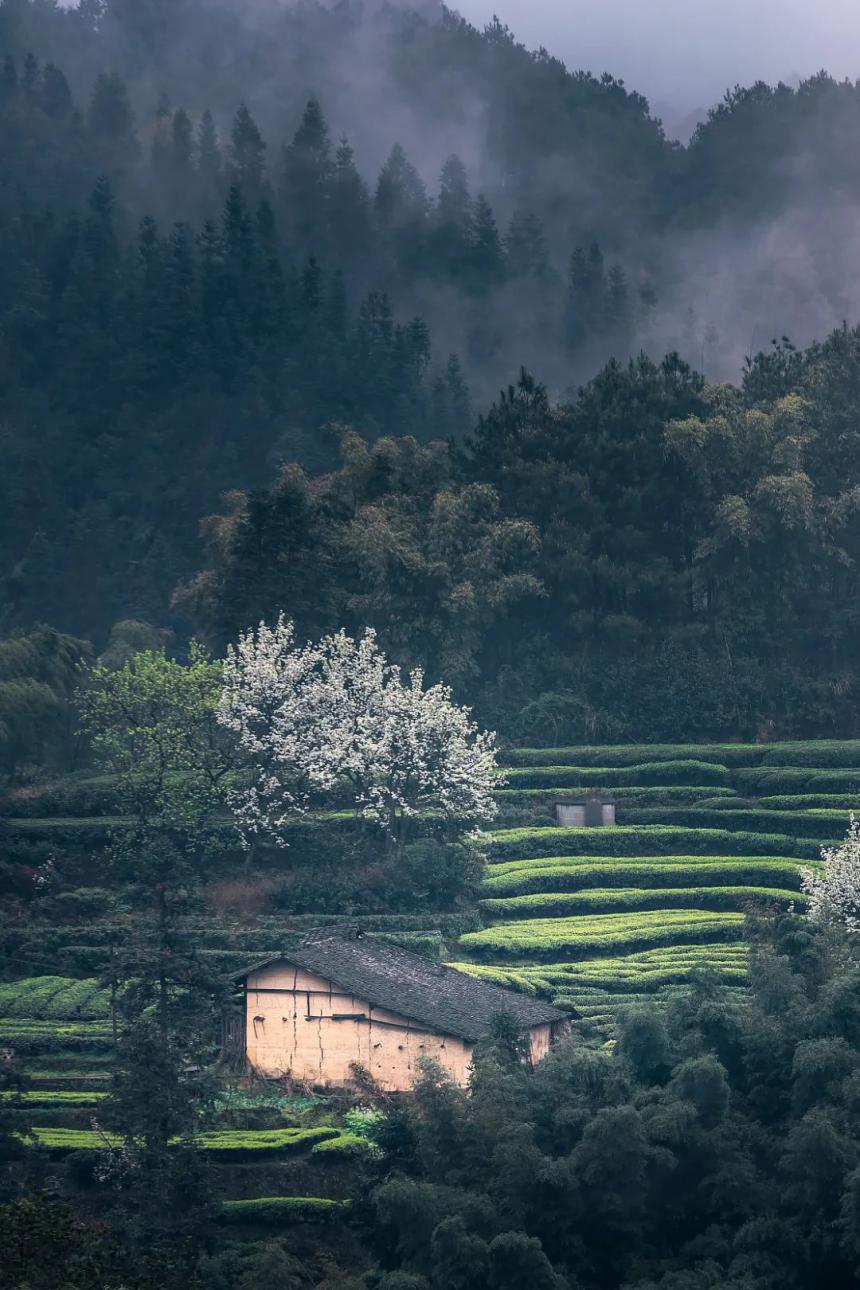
687,51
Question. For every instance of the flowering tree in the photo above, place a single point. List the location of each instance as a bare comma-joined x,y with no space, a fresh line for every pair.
834,892
312,719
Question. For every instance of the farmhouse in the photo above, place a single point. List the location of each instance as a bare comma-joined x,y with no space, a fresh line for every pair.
339,999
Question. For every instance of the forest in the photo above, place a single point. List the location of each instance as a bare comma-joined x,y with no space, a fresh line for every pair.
237,360
404,441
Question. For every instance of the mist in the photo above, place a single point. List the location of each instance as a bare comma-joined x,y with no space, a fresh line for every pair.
686,53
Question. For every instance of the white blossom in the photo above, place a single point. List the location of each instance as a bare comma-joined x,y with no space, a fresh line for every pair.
834,891
337,715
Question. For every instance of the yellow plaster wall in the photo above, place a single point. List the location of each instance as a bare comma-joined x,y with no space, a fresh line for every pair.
291,1031
540,1039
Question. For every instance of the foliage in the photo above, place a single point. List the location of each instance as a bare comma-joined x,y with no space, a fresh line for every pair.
39,673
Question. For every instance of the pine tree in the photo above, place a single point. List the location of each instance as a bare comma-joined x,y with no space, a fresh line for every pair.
208,152
56,96
247,155
486,264
526,254
307,174
160,147
618,319
111,126
350,230
452,221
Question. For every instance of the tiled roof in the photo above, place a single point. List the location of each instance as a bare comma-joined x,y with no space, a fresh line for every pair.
438,997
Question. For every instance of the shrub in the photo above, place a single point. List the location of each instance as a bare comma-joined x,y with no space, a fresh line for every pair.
602,932
654,772
814,824
605,900
575,874
281,1209
797,779
347,1146
633,754
654,839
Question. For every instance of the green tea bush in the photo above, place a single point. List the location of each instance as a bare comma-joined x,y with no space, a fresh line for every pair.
653,839
53,1097
601,933
281,1209
811,802
655,772
633,754
255,1144
568,874
824,754
605,900
234,1143
811,752
346,1146
768,780
816,825
682,794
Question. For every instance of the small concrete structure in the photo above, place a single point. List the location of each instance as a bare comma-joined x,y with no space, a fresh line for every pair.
586,812
338,1000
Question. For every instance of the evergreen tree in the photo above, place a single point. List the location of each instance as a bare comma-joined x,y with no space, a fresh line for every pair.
401,208
307,174
526,254
111,126
247,155
486,264
452,222
350,228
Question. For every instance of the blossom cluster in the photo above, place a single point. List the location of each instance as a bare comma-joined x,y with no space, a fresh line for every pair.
314,718
834,893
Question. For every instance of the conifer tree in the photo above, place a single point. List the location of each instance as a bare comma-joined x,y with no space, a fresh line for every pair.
307,173
247,155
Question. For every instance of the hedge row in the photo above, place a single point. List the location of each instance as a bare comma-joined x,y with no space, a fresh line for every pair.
653,772
603,900
53,1098
281,1209
523,877
817,824
804,752
644,970
797,779
653,839
602,932
235,1143
682,794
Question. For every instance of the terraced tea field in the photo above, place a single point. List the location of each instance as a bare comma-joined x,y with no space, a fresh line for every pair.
598,918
